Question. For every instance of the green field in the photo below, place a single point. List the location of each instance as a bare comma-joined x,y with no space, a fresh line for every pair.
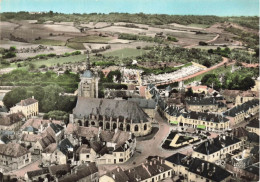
90,39
216,71
198,25
76,45
50,42
126,52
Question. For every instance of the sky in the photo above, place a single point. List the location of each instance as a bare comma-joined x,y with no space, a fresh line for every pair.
174,7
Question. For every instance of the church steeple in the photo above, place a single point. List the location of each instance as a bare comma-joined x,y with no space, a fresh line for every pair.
88,61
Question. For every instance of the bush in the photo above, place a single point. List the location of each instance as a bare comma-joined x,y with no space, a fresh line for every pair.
202,43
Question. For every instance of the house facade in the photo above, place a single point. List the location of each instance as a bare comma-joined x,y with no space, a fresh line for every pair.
195,169
29,107
217,148
14,156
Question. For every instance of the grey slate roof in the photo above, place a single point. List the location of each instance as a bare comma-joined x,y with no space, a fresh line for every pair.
254,123
65,145
144,103
30,129
56,127
83,171
194,165
211,146
242,108
5,139
109,108
201,101
38,172
216,118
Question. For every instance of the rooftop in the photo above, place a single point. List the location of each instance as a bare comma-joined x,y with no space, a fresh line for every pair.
12,150
241,108
200,167
27,102
213,145
109,108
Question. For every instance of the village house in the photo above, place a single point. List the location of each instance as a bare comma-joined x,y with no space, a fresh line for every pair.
29,107
103,147
11,122
14,156
42,143
153,170
36,175
83,173
61,154
30,130
245,96
217,148
29,139
197,120
55,171
198,89
243,112
210,104
253,126
230,95
195,169
40,124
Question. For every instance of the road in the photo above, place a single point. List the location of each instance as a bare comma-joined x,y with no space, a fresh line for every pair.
150,147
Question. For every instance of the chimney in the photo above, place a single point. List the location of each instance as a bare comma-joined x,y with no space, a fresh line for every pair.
32,97
117,169
208,166
22,102
214,169
202,167
113,176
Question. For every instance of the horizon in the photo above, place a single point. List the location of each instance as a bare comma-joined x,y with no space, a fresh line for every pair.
169,7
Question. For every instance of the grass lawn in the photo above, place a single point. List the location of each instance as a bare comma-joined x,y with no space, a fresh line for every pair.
52,61
126,52
76,45
217,71
198,25
61,60
91,39
50,42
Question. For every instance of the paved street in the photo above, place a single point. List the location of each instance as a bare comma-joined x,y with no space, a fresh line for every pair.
150,147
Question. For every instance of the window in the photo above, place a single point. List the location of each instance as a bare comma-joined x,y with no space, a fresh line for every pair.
121,160
87,156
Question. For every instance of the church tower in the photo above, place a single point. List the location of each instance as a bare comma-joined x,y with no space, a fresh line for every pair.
88,86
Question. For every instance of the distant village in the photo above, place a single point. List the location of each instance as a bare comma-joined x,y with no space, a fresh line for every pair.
145,133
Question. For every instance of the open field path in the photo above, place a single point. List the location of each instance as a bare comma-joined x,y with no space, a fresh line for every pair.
212,40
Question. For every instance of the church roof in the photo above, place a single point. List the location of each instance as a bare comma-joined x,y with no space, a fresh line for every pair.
110,108
87,74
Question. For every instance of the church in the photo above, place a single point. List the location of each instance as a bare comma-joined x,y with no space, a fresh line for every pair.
107,113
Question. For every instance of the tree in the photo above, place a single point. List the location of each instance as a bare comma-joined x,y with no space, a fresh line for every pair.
211,79
15,96
51,97
38,93
247,83
31,66
207,63
189,93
